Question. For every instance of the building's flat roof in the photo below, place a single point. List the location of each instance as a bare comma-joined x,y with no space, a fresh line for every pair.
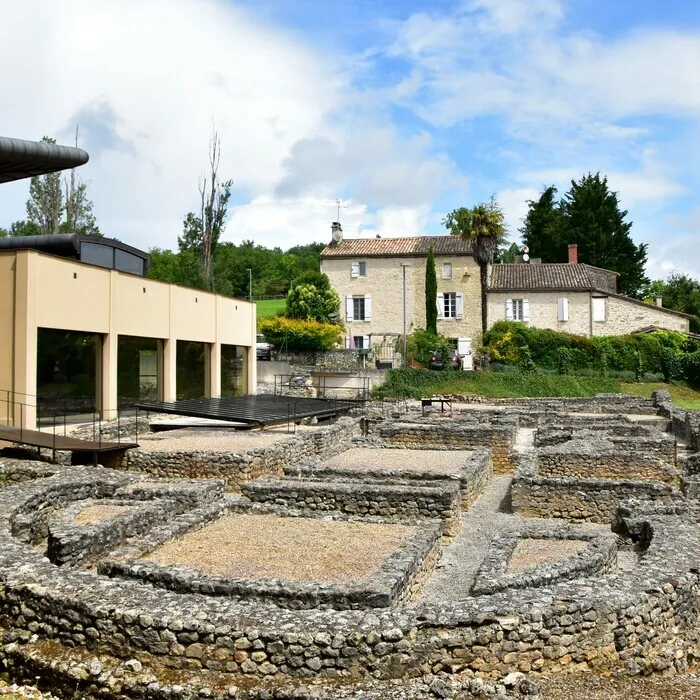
20,159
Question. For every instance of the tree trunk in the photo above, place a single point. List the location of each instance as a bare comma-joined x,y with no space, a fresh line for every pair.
484,278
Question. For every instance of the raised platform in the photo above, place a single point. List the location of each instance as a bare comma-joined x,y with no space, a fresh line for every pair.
253,410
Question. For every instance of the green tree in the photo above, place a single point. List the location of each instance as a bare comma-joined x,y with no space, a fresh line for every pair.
589,215
312,299
430,293
484,226
45,204
20,228
507,255
543,230
596,223
183,268
79,209
679,292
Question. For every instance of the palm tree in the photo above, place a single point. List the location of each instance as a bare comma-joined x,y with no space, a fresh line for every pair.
484,226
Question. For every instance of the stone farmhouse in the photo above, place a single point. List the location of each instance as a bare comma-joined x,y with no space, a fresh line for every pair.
376,277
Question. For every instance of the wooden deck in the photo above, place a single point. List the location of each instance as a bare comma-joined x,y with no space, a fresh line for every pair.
38,438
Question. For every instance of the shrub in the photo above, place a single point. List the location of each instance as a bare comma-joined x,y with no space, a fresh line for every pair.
296,334
671,364
525,363
422,344
564,360
691,367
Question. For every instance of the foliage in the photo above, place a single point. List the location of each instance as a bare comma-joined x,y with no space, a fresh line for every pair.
416,383
297,334
691,367
525,362
430,293
78,209
659,352
589,215
679,292
484,226
45,204
507,255
183,268
682,394
20,228
313,300
421,345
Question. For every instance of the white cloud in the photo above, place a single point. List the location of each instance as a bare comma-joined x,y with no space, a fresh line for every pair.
514,205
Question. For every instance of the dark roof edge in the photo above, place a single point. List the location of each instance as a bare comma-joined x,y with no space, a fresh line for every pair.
396,255
639,302
582,290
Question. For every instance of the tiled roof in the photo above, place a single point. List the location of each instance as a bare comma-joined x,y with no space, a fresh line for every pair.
540,276
414,246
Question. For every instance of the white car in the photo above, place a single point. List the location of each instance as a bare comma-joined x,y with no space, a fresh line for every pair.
263,349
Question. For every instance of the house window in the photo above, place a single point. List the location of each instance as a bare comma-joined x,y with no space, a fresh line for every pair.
358,269
447,271
358,308
598,304
449,305
359,341
517,310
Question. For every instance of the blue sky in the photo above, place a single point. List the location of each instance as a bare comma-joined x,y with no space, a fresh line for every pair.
403,109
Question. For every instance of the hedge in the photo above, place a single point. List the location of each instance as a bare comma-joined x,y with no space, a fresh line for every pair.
672,354
295,334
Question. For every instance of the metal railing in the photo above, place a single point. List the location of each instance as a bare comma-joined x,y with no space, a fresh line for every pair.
322,384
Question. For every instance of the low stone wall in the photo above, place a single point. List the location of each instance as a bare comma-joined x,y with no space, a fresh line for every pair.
600,403
15,471
439,500
452,435
599,557
240,468
594,461
473,478
641,621
575,498
399,578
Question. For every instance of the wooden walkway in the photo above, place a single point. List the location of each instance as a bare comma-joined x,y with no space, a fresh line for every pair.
38,438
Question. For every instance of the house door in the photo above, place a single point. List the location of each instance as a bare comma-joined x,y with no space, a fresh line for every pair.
464,350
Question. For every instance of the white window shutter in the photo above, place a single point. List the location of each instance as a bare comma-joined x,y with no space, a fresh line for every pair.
526,310
599,309
347,341
509,309
365,342
368,307
355,269
440,302
460,305
563,309
348,309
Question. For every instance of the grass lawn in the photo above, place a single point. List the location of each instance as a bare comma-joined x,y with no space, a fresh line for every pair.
269,307
682,395
417,383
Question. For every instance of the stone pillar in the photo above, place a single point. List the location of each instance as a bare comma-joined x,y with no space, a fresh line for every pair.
25,340
252,378
169,372
107,376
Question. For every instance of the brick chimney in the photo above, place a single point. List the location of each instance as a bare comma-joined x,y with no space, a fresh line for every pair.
573,253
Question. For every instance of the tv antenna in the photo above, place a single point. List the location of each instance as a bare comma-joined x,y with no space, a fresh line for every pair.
338,204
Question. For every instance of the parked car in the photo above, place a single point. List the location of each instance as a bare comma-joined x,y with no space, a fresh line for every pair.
263,349
436,361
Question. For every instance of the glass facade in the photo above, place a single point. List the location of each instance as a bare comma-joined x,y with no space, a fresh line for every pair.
106,255
137,369
234,370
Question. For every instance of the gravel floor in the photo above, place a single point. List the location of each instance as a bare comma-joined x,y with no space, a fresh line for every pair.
592,687
447,462
93,514
293,549
219,440
532,552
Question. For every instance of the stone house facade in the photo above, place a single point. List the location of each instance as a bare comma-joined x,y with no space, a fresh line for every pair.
368,275
573,298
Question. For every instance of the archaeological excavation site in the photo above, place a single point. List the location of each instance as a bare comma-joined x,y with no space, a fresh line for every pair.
387,553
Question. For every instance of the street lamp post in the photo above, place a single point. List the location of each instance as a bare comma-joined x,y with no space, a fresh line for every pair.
250,283
404,265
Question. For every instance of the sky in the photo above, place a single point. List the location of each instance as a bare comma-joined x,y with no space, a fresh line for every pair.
401,109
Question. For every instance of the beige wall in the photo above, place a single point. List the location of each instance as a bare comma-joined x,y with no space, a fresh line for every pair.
543,310
43,291
383,282
622,315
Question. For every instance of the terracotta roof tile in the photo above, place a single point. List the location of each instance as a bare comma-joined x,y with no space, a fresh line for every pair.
525,277
413,246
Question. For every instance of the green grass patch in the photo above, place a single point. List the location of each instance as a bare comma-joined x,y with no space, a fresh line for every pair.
269,307
683,395
416,383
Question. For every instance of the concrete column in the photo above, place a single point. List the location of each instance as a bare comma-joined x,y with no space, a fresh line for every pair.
107,376
252,379
169,372
212,370
25,341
